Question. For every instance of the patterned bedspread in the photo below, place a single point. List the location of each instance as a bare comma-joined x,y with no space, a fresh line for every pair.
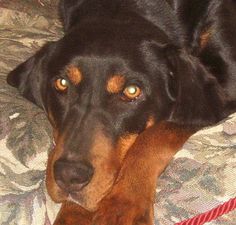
201,176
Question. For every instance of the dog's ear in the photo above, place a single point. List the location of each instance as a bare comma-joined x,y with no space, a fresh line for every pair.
199,99
28,77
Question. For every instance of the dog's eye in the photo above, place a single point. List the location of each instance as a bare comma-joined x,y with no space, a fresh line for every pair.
61,84
132,92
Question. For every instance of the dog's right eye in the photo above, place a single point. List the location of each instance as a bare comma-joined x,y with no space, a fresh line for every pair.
61,84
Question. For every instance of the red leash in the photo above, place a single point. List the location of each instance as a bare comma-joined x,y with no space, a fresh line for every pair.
212,214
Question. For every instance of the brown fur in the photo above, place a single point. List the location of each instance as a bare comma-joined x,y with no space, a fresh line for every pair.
131,199
55,192
124,143
71,213
107,165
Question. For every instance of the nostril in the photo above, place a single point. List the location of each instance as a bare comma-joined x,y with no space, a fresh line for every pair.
72,175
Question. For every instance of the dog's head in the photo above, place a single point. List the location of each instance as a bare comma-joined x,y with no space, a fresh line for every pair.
103,86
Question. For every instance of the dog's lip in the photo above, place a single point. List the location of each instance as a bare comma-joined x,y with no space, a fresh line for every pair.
75,197
73,188
76,188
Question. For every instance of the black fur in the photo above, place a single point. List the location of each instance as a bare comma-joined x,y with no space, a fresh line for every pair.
154,38
155,44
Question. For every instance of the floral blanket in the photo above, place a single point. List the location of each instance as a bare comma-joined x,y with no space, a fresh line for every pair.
201,176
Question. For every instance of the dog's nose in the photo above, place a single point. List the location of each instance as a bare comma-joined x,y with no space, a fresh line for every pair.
72,176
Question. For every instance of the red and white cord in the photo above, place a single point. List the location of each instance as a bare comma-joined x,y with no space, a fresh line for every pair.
212,214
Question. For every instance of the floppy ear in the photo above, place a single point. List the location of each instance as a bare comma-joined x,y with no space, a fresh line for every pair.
28,77
199,98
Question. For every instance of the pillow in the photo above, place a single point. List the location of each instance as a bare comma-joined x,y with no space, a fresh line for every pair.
25,134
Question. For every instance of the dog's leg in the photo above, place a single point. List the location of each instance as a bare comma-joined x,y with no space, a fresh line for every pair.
131,199
72,214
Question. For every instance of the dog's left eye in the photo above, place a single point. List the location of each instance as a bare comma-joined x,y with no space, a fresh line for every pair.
132,92
61,84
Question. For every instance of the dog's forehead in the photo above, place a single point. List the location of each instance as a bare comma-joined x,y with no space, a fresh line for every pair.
95,67
104,54
100,39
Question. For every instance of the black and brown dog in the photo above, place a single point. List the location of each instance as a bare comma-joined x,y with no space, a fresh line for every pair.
137,75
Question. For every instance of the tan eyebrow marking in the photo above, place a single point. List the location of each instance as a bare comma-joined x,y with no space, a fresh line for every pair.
115,84
74,74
